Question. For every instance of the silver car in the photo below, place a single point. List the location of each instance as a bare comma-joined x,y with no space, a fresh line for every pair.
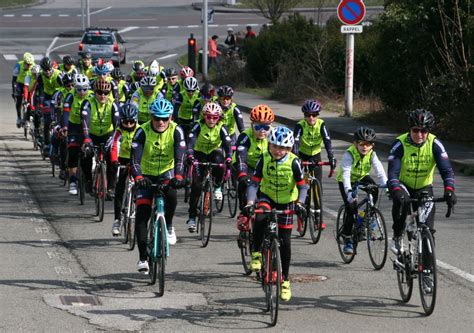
105,43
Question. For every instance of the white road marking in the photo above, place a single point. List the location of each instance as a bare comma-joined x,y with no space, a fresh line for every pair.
173,27
63,15
10,57
38,56
455,270
253,24
45,15
193,26
232,25
8,15
168,56
48,50
100,10
127,29
153,27
63,45
26,15
213,25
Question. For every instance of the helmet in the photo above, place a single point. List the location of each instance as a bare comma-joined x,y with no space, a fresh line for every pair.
67,79
207,91
28,58
102,84
129,111
225,91
67,60
101,69
154,68
86,55
185,72
365,134
171,72
190,84
46,64
212,109
134,86
148,82
281,136
35,69
161,107
311,106
138,66
117,74
230,29
262,114
81,81
421,118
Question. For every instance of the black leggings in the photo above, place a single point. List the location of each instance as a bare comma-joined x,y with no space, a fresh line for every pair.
120,188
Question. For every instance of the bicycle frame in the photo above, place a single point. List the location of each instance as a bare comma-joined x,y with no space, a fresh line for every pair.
159,210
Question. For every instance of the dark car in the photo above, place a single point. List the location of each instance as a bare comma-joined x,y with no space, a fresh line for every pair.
105,43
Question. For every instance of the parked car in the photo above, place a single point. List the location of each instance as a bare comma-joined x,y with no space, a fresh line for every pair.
105,43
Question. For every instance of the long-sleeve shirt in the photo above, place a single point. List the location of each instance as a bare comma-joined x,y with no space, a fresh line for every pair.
224,136
324,134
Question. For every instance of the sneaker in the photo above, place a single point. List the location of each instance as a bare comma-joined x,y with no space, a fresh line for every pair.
142,267
18,122
256,262
285,292
218,194
73,188
116,228
191,225
397,245
242,222
171,236
348,247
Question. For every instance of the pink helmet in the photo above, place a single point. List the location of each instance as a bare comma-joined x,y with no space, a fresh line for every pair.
185,72
212,109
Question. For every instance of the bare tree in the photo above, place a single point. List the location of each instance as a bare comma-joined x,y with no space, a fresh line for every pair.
273,9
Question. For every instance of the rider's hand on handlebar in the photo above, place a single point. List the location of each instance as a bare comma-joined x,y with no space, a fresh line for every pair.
143,182
300,210
450,196
248,210
351,198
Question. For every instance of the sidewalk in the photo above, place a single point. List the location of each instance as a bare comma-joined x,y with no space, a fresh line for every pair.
342,128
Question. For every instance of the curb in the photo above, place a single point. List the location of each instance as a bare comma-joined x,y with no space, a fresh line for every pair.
36,3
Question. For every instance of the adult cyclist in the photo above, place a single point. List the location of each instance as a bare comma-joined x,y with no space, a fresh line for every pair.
20,71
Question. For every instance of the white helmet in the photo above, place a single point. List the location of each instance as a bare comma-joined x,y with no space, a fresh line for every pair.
35,69
154,68
81,81
212,109
281,136
191,84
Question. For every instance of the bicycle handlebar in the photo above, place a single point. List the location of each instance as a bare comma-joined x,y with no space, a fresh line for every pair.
433,199
308,163
275,211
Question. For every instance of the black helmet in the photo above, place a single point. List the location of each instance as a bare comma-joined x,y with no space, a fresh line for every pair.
138,66
171,72
207,91
67,79
46,64
225,91
67,60
421,118
365,134
117,74
86,55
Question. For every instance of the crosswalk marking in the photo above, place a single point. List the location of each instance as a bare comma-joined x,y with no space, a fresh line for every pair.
10,57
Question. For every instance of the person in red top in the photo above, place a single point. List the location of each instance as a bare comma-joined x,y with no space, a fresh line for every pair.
213,51
250,33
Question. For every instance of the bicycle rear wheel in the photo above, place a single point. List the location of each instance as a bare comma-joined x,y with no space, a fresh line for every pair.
315,217
220,203
205,216
152,249
346,258
232,197
404,274
377,242
245,242
427,275
272,280
100,192
161,255
81,183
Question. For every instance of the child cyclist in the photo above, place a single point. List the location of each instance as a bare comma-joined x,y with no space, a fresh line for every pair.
356,164
279,181
120,155
208,141
231,114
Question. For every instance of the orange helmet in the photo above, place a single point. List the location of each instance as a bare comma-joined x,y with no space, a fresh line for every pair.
102,84
262,114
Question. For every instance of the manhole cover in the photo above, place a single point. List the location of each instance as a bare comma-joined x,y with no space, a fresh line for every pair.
80,300
304,278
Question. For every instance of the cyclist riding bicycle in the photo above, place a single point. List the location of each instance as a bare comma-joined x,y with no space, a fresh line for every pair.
29,91
120,155
68,66
184,73
251,144
103,70
158,72
99,116
187,104
137,73
357,162
144,97
411,164
85,66
72,126
172,87
207,93
279,181
157,157
122,86
232,116
20,71
208,141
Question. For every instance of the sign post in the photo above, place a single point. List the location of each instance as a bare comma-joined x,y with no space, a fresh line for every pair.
351,13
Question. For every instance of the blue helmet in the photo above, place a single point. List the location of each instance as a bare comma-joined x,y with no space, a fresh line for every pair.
161,108
129,111
281,136
311,106
102,69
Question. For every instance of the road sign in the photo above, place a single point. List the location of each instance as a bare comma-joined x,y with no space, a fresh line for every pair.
351,12
351,29
210,15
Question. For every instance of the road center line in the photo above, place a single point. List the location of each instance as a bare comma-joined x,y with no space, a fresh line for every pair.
63,45
100,10
48,50
127,29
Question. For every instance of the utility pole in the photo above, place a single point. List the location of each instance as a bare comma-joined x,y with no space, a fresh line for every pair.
88,14
83,15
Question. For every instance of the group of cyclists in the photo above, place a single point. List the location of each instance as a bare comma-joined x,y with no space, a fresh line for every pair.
158,122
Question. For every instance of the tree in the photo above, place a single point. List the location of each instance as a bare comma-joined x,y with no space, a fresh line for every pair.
273,9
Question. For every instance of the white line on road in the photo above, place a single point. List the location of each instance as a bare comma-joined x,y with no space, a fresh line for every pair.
100,10
63,15
26,15
192,26
63,45
173,27
153,27
253,24
48,50
10,57
8,15
127,29
213,25
45,15
232,25
168,56
455,270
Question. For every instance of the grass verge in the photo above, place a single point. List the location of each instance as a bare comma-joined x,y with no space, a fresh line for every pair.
13,3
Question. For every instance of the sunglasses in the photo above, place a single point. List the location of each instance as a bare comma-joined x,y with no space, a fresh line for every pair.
69,86
163,119
226,98
102,92
212,117
259,127
419,130
309,115
128,121
81,89
365,143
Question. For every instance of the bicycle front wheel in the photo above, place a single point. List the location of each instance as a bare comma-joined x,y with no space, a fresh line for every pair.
245,242
152,250
205,216
232,197
81,183
340,239
315,218
161,254
403,267
427,277
100,192
272,280
377,242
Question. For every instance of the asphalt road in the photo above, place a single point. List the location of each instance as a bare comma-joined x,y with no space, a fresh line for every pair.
51,246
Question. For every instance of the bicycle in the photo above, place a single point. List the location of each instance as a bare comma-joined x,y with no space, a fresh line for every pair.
416,257
157,244
270,273
229,191
25,120
245,244
81,180
372,225
206,202
127,213
314,203
99,180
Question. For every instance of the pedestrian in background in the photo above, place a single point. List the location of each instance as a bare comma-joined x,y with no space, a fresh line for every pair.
250,33
230,39
213,52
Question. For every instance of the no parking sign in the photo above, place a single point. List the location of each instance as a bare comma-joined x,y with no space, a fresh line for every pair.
351,12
